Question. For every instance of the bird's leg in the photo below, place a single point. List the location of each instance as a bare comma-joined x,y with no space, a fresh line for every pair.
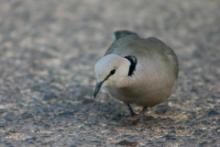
144,109
141,114
132,113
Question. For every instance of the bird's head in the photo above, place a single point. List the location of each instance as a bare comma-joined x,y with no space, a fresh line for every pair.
111,70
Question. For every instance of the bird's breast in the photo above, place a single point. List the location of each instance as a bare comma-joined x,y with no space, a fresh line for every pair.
149,85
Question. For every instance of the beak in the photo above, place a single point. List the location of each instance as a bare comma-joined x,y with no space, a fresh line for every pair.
97,89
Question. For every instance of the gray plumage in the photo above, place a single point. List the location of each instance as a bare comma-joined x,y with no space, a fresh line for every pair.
152,65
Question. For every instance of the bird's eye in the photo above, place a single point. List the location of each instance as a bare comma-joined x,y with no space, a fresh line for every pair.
112,71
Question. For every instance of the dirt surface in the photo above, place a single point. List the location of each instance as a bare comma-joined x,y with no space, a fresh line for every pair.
47,52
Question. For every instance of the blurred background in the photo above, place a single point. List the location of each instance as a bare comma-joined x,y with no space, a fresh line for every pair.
47,52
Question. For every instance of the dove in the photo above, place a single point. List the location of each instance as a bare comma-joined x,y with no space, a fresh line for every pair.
136,70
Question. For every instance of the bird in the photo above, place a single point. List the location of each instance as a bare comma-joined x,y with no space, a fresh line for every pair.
137,70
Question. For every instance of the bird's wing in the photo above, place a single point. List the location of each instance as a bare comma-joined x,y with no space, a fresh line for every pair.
155,43
118,37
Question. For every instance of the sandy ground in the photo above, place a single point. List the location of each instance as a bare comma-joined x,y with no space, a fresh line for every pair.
47,52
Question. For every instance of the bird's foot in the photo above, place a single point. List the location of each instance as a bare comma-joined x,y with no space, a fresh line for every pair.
135,118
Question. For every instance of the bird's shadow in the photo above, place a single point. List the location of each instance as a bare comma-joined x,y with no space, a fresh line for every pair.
111,111
76,103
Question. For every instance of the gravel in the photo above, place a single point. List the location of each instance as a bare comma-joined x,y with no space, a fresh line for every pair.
47,52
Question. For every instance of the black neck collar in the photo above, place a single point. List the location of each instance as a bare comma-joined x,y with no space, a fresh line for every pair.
133,61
